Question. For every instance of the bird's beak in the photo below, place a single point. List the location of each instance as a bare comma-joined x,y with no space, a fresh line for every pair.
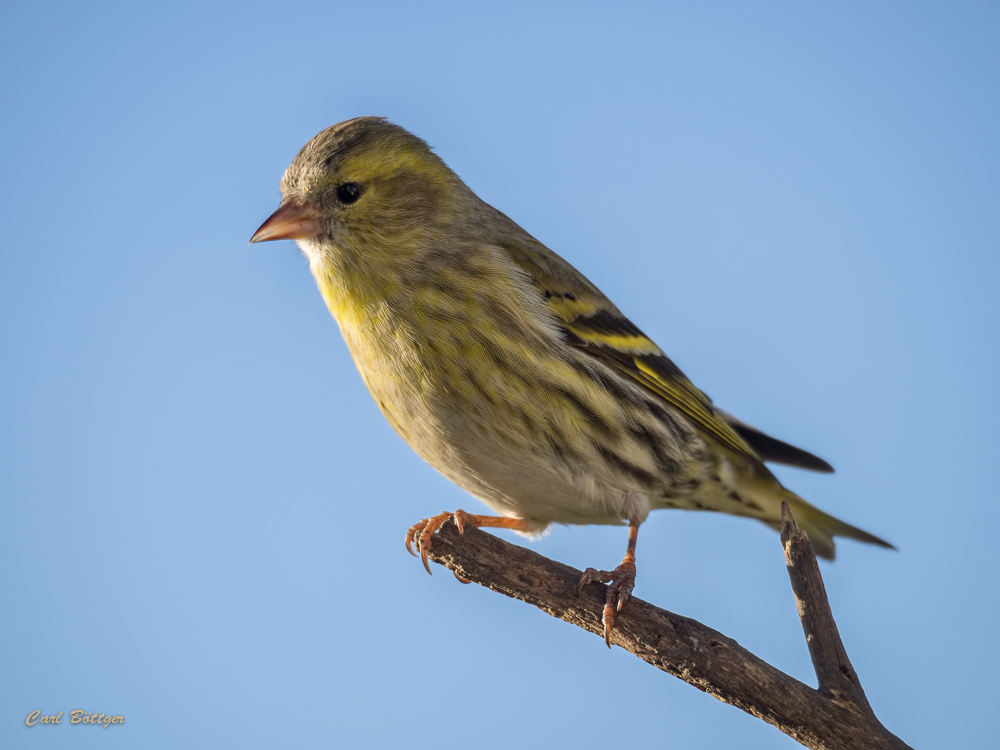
292,221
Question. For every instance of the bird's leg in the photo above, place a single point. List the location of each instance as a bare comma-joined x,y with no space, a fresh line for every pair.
622,580
423,531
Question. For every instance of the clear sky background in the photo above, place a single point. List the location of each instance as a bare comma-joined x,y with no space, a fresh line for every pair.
202,509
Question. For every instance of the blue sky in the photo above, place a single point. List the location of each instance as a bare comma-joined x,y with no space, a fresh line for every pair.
202,509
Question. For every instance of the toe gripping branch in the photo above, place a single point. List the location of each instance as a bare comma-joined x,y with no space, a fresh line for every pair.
622,580
421,534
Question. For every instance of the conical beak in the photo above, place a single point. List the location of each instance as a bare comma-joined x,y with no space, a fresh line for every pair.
292,221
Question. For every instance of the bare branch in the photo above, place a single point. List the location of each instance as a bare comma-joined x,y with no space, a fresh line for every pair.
837,678
677,645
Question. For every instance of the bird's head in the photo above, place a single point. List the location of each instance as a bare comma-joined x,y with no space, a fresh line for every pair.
364,183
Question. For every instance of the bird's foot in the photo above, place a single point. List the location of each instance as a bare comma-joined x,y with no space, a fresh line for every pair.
622,580
422,533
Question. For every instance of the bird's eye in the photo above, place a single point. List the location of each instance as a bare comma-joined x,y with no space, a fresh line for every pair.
349,193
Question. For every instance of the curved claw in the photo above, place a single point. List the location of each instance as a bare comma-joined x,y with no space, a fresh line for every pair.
432,525
411,536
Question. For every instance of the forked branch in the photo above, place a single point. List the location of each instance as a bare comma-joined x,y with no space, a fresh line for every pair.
835,716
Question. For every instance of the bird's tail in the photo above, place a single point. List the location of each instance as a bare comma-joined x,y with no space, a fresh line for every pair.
822,527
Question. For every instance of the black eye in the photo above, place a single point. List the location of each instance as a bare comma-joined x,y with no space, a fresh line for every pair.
349,193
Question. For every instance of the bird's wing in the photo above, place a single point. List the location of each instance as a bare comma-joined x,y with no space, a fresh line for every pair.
593,323
772,449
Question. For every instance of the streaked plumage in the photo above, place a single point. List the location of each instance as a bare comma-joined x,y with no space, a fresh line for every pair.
500,363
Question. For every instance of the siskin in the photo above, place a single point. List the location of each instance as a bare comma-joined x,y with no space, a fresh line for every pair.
504,367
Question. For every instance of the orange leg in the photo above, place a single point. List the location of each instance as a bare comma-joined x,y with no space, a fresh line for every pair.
422,532
622,580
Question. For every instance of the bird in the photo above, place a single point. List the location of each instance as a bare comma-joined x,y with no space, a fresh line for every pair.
509,371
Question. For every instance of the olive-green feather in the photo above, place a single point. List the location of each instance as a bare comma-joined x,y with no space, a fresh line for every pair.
593,323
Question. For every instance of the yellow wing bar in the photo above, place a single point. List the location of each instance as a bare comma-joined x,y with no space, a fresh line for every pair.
593,323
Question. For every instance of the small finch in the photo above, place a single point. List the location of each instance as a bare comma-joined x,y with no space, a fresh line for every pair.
505,368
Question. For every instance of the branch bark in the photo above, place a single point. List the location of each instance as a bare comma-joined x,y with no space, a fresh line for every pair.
835,716
836,676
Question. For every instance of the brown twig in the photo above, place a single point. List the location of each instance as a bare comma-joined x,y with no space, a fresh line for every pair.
837,678
830,718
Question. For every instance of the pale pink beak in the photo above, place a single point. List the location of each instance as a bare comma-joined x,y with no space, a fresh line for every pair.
292,221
